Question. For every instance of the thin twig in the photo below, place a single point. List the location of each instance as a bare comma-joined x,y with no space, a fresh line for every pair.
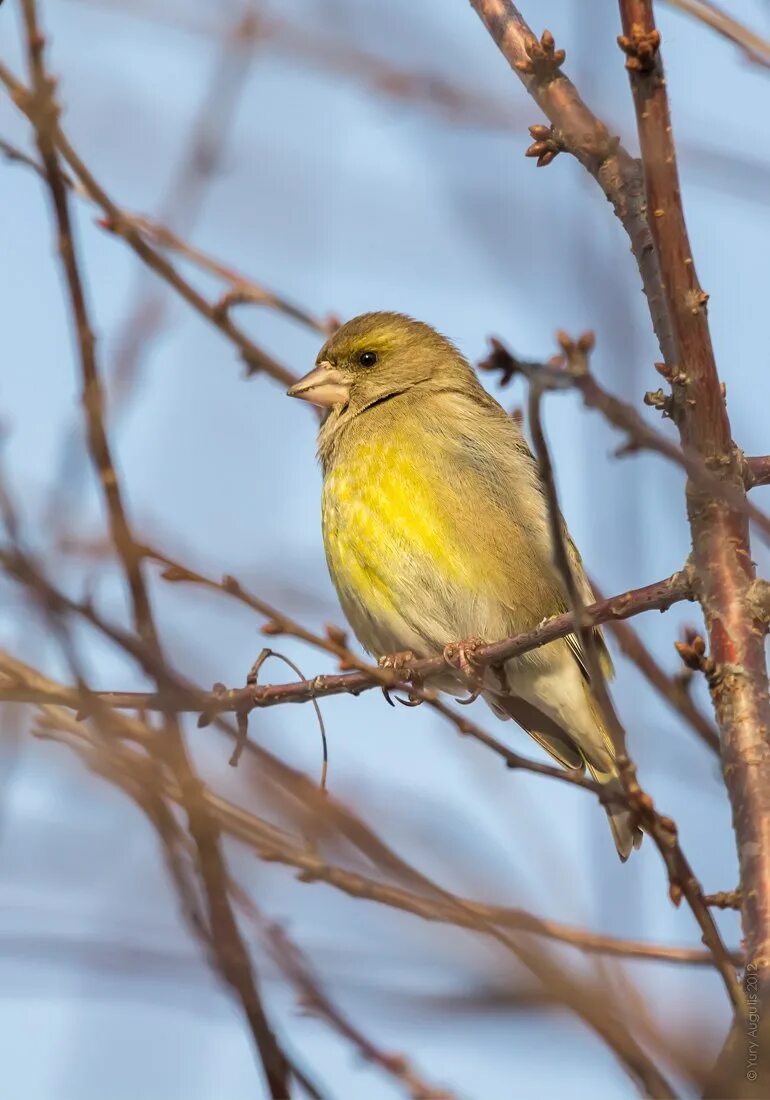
315,1001
243,288
225,939
42,110
255,358
148,307
661,828
757,471
640,436
756,48
669,687
655,597
274,844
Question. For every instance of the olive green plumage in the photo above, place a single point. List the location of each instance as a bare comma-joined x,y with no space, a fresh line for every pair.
435,528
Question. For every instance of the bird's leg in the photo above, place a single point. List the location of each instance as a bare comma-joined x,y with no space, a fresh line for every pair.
400,663
460,655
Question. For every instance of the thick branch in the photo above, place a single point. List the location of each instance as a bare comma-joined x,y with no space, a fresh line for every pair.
583,134
721,548
661,829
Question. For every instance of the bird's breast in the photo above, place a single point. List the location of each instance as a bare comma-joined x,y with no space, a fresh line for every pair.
383,515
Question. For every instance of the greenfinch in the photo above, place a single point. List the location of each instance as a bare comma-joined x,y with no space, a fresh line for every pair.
436,532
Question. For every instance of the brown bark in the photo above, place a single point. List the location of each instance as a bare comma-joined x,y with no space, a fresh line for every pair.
721,548
720,535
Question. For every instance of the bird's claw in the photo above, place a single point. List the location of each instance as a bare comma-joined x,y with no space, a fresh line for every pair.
401,663
461,655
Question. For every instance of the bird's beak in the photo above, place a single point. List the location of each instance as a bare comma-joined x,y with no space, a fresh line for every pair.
324,386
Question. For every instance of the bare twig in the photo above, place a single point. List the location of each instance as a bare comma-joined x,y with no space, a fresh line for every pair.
316,1001
255,358
670,687
274,844
242,288
148,308
654,597
662,829
724,899
225,939
592,1005
42,111
757,471
640,436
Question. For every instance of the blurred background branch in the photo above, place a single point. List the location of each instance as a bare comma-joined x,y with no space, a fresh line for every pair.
370,157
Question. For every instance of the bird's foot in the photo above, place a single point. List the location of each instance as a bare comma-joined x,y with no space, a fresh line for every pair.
401,663
461,655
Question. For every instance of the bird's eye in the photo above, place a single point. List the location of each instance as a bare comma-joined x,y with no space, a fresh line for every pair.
367,358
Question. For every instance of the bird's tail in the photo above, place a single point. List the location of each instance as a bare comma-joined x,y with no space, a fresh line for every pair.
625,830
600,761
598,757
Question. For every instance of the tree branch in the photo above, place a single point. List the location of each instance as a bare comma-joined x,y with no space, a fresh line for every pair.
756,48
640,436
757,471
580,132
225,940
653,597
275,844
721,547
670,687
255,358
661,829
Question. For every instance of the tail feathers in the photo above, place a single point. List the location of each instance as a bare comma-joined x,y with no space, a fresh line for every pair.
625,831
558,744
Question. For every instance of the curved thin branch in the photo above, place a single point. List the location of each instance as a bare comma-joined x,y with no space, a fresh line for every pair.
255,358
755,47
274,844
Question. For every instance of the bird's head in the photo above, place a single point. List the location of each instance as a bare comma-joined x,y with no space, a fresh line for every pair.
376,356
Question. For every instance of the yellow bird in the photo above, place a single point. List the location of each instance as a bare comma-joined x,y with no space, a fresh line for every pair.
436,530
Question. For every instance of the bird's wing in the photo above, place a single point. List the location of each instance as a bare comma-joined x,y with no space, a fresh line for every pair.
588,596
540,728
494,448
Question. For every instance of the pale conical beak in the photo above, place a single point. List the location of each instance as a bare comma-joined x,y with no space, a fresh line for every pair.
324,386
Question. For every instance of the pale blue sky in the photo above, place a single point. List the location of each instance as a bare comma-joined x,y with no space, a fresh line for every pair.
347,201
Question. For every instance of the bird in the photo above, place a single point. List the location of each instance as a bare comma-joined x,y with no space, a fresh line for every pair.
436,533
